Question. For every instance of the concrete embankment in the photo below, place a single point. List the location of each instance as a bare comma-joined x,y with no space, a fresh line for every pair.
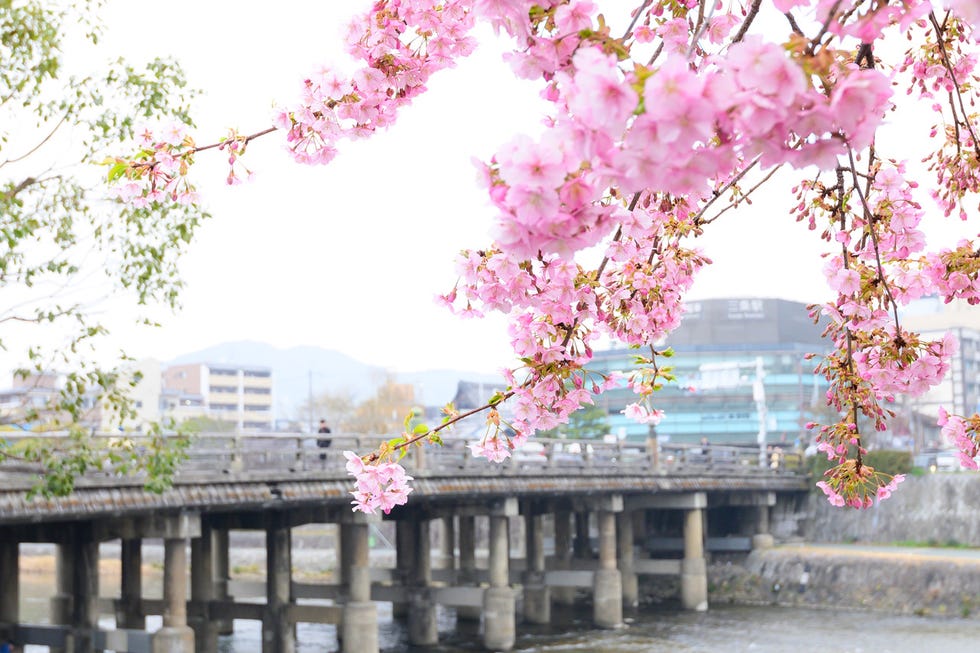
939,582
940,508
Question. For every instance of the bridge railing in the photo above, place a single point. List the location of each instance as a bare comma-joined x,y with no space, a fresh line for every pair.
228,456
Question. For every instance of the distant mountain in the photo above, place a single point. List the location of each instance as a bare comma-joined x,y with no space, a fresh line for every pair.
298,370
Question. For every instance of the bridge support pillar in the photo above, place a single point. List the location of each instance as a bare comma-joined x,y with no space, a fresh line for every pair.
625,559
607,586
694,579
537,597
762,538
175,636
10,592
61,601
404,561
129,610
277,633
467,564
447,543
563,555
202,591
75,603
422,626
359,630
222,574
582,545
499,623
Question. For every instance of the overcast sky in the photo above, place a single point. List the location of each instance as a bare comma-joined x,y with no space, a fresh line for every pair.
349,256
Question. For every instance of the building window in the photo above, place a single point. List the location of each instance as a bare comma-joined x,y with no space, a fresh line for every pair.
258,391
261,374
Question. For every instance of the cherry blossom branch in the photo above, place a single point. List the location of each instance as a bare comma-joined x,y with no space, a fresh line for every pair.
815,41
636,18
872,231
500,398
744,196
715,195
793,24
940,41
747,23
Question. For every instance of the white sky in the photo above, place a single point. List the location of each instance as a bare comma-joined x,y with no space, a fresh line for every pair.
349,256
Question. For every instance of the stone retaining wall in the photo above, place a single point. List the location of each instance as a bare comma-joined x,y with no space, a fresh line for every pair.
939,508
894,582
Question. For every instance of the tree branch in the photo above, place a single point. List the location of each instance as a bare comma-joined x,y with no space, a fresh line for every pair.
749,19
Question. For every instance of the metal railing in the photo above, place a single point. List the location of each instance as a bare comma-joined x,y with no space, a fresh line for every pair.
225,456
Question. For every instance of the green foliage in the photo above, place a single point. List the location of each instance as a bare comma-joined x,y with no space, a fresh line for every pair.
206,425
62,458
586,423
883,460
65,245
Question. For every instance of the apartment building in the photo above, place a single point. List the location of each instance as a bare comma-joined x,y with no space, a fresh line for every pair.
238,394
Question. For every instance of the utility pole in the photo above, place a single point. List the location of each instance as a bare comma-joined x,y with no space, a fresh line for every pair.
310,388
759,395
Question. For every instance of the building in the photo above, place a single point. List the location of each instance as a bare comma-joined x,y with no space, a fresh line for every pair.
959,392
741,375
241,395
32,399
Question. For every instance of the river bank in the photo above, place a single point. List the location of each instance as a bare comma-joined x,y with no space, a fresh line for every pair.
895,580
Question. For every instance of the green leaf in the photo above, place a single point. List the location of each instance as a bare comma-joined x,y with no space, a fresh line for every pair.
116,171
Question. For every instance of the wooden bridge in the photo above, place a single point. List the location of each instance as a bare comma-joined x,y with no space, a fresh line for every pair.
637,510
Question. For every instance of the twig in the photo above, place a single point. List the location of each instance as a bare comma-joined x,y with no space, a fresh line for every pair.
421,436
952,76
753,12
744,196
718,193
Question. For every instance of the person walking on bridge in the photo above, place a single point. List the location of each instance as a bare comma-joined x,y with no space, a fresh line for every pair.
323,443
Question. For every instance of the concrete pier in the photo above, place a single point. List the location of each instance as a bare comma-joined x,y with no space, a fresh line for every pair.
499,627
203,587
222,574
404,560
277,633
624,559
422,627
607,587
694,574
129,609
10,584
359,630
467,574
175,636
563,555
537,597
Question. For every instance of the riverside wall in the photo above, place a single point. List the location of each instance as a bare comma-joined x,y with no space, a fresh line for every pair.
834,570
901,582
940,509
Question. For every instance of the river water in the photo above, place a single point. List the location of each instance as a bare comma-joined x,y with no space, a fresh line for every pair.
720,630
723,629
